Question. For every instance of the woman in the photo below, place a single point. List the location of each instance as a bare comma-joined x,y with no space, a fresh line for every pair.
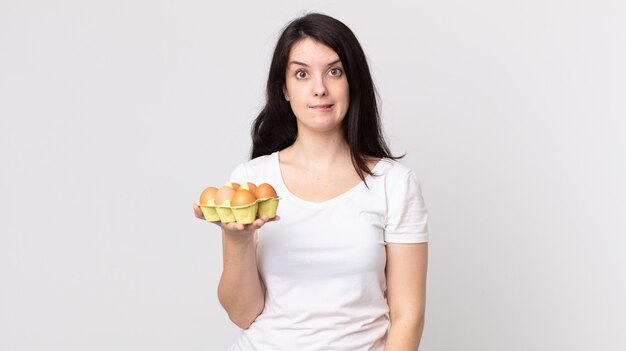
345,266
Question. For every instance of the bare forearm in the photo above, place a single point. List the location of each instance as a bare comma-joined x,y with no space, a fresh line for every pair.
405,334
406,294
240,289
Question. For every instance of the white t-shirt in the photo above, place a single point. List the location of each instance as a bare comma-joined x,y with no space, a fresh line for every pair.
323,264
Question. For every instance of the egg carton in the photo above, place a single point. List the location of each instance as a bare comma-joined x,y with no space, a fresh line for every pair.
240,214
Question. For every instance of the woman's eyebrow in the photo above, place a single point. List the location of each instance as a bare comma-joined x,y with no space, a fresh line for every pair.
334,62
298,63
305,65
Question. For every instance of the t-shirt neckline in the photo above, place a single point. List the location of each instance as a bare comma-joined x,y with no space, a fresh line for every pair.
285,192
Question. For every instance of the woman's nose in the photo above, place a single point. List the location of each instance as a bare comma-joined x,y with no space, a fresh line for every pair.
319,87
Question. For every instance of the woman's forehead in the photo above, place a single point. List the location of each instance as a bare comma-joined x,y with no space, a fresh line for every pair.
308,52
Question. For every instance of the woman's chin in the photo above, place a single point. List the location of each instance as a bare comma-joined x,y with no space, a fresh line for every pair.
321,124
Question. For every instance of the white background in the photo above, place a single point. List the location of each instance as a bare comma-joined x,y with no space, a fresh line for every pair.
114,115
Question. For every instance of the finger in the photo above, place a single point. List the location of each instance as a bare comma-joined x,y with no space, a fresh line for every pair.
273,219
258,223
234,226
197,211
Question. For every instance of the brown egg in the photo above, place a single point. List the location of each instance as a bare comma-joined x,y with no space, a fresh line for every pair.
264,191
242,197
250,187
224,193
233,185
207,194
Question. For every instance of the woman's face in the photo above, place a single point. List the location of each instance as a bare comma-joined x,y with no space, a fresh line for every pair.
316,86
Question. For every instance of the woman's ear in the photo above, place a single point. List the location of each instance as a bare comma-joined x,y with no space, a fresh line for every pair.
285,93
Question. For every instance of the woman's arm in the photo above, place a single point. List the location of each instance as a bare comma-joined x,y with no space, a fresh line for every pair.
406,294
241,291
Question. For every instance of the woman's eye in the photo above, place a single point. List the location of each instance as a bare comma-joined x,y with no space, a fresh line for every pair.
335,72
301,74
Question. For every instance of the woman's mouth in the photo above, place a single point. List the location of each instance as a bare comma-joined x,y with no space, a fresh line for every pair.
323,107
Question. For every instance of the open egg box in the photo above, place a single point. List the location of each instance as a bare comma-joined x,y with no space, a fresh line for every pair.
240,214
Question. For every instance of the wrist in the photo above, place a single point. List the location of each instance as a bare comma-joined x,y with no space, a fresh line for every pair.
242,238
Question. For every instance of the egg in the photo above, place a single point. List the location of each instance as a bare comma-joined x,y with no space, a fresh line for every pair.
249,186
224,193
207,194
264,191
242,197
233,185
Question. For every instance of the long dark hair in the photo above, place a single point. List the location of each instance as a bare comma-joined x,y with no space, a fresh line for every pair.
275,128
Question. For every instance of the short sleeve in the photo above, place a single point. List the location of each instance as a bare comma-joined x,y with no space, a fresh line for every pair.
407,216
239,174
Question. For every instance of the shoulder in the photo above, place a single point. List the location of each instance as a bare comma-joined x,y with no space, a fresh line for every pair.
406,213
259,167
260,162
392,170
394,180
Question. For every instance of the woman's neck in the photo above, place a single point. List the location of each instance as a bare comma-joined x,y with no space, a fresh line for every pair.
315,151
